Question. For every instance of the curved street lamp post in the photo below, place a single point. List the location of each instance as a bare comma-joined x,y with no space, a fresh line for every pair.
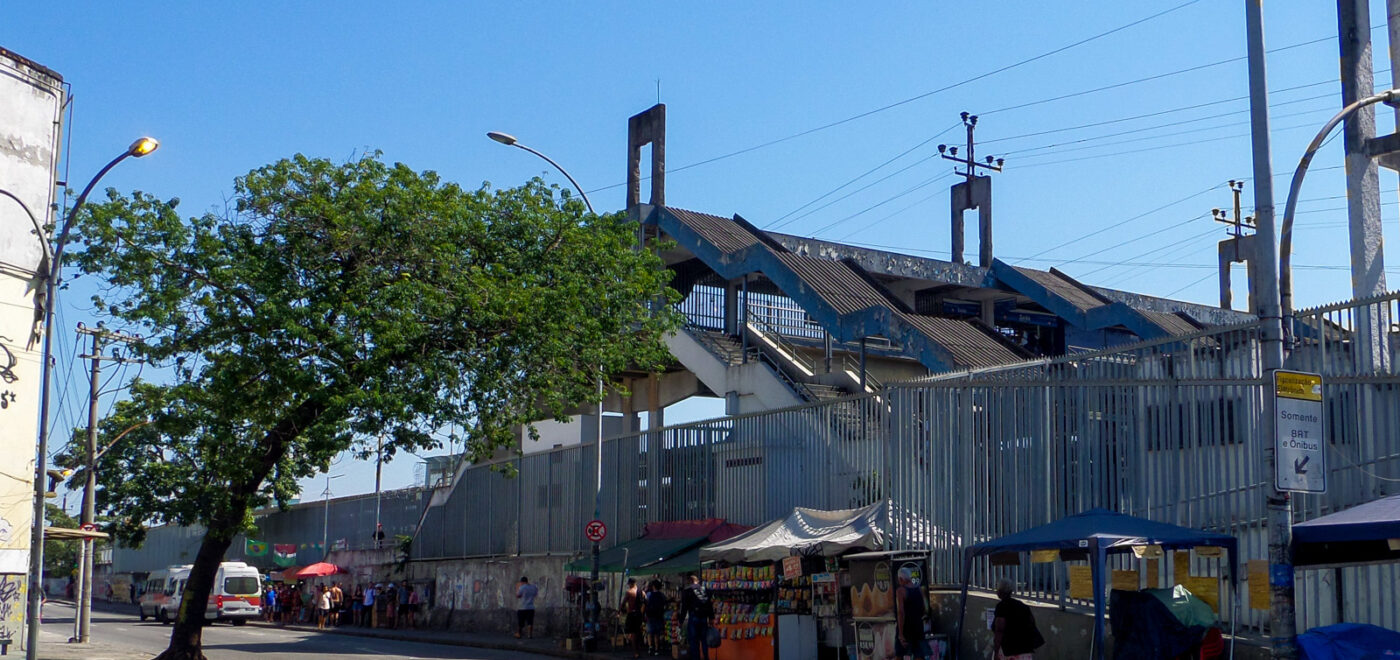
53,256
510,141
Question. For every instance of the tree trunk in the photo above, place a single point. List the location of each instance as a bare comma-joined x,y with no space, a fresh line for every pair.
186,639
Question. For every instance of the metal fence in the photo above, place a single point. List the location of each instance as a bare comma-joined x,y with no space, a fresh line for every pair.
347,525
1163,429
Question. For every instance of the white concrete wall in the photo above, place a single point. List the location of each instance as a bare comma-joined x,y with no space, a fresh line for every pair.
31,104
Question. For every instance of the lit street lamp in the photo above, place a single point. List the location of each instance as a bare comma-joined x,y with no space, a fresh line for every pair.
53,255
510,141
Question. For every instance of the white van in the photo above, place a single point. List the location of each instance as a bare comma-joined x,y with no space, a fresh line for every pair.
237,594
160,593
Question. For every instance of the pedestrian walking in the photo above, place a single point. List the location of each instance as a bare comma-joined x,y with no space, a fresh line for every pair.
909,618
391,605
525,615
337,603
368,612
323,607
695,613
357,606
270,609
308,603
412,603
633,608
1014,635
656,617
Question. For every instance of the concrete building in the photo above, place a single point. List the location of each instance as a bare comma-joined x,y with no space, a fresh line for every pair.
31,110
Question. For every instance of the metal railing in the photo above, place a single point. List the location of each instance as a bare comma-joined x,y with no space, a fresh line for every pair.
1163,429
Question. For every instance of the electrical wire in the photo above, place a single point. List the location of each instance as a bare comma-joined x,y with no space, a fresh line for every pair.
924,95
778,223
919,186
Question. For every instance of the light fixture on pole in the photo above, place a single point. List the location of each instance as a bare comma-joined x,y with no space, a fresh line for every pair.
54,258
510,141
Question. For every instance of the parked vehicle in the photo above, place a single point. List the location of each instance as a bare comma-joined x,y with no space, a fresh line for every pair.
237,594
160,597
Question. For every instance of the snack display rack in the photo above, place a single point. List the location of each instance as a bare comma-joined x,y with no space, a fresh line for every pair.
744,598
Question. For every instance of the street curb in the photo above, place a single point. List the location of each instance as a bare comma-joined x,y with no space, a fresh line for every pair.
470,643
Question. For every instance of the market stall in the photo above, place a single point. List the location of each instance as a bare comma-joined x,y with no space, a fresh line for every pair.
1365,534
809,600
1097,532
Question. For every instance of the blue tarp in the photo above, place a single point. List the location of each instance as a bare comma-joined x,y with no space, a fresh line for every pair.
1358,534
1099,532
1349,641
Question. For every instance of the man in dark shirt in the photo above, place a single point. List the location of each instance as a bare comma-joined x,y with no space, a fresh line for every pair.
656,616
909,617
1014,635
696,612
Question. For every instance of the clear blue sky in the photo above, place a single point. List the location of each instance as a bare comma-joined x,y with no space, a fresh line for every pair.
228,87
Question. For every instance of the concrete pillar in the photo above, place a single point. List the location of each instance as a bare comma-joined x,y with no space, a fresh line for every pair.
1363,185
977,196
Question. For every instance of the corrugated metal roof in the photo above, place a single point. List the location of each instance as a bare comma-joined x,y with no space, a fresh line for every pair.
1175,324
835,282
723,233
1063,287
969,344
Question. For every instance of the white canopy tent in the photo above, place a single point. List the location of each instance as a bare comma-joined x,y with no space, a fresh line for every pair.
823,533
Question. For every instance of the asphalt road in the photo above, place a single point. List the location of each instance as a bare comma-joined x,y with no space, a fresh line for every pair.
225,642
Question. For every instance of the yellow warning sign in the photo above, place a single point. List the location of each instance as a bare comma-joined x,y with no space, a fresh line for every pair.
1296,385
1081,582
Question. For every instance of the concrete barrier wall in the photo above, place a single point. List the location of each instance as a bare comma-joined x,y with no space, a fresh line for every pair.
1068,633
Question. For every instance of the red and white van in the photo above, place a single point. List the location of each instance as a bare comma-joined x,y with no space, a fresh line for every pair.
160,593
237,594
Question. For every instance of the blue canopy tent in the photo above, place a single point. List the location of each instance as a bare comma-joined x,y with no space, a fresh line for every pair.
1362,534
1099,532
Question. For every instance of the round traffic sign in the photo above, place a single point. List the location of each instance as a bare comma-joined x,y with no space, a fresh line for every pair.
89,527
595,531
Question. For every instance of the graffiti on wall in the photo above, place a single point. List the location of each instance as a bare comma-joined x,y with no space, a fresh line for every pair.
7,368
11,606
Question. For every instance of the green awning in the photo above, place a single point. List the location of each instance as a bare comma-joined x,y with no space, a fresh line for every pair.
633,555
684,562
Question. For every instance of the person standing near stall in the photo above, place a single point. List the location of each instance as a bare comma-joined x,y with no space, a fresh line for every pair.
1014,635
909,616
656,617
633,606
696,612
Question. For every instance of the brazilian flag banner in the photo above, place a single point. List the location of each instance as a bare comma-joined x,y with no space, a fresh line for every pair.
255,548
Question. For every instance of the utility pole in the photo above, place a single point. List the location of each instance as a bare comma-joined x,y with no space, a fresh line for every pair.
378,494
974,192
99,335
1363,184
1279,516
1236,249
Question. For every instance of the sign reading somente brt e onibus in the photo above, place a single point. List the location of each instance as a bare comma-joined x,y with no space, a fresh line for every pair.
1300,457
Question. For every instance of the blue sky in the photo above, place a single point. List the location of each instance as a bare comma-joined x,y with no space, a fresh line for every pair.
229,87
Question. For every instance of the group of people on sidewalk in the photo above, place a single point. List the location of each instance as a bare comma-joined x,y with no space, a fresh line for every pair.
380,605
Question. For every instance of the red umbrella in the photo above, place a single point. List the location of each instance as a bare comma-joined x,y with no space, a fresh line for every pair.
318,569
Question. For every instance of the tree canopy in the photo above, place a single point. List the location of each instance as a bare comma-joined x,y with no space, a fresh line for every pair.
331,304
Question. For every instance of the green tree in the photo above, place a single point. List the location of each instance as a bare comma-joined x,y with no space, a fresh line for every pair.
334,303
60,557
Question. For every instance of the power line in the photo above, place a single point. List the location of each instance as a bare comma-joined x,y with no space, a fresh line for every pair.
867,186
778,223
916,187
924,95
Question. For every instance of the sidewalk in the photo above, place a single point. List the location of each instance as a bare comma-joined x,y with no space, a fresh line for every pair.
495,641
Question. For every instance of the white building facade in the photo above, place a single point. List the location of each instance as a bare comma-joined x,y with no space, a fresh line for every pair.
31,109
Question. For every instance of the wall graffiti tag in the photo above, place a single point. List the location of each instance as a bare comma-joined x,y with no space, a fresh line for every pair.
11,605
7,365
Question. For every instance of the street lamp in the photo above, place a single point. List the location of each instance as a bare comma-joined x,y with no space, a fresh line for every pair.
326,516
54,257
510,141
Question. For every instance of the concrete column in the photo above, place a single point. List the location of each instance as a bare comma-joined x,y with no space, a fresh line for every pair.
1363,184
